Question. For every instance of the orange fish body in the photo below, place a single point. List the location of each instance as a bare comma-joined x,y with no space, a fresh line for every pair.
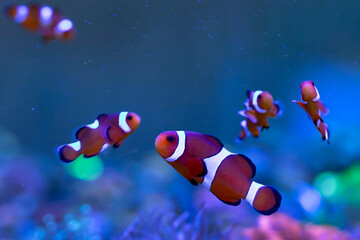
314,107
107,130
202,159
45,20
259,107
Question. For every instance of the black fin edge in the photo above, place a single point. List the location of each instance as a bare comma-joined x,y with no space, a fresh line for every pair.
204,172
237,203
278,199
252,165
193,182
62,157
78,132
107,133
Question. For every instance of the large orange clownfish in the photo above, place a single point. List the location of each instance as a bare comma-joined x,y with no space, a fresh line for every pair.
259,107
202,159
311,103
107,130
49,22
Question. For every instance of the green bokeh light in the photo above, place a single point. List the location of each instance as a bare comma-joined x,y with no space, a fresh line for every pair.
327,183
351,180
86,168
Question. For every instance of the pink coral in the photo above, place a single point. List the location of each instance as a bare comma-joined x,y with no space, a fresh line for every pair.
280,226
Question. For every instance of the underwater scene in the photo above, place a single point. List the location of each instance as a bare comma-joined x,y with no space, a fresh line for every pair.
191,119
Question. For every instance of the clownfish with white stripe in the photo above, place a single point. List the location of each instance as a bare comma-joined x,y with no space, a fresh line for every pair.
49,22
107,130
202,159
259,107
311,103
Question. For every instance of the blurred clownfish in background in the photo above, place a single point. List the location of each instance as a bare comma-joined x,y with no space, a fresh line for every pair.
259,107
202,159
314,107
107,130
49,22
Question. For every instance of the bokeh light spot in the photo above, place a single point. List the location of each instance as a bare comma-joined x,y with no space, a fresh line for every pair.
309,199
327,183
86,168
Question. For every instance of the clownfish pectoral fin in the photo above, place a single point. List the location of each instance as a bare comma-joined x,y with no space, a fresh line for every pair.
70,152
242,113
303,106
117,144
323,108
275,110
300,104
251,114
196,167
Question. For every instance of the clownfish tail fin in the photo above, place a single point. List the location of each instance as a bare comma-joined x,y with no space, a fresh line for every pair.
323,129
265,199
70,152
244,130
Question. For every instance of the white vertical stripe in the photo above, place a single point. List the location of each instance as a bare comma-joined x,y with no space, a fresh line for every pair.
212,164
22,12
94,125
105,146
63,26
122,122
255,103
317,98
180,148
76,145
253,189
46,14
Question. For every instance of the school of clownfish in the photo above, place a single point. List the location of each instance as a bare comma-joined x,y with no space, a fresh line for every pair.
200,158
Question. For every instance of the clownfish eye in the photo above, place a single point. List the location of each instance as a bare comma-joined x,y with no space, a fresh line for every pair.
129,117
259,97
170,138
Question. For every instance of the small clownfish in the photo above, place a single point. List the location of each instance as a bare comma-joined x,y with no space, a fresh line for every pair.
45,20
202,159
311,103
107,130
259,107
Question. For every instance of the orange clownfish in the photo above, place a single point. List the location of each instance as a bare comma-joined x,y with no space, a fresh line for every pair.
311,103
45,20
259,107
107,130
202,159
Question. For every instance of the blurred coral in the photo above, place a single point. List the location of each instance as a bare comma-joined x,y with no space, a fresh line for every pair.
282,227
